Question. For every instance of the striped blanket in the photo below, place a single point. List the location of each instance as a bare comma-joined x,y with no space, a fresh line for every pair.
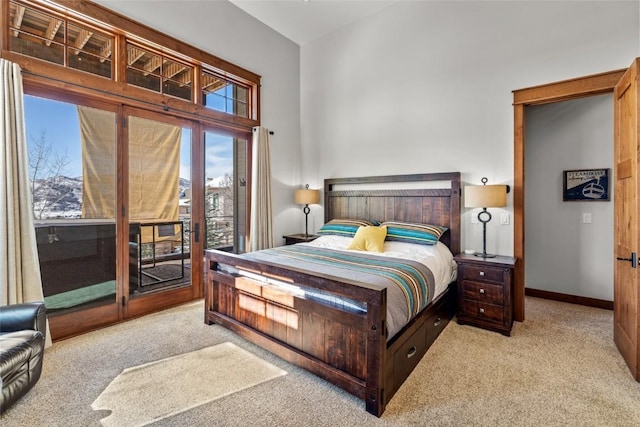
409,284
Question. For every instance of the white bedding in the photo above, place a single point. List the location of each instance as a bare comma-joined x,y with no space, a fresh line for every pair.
437,257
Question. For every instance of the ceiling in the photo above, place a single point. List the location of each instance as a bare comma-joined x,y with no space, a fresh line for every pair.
303,21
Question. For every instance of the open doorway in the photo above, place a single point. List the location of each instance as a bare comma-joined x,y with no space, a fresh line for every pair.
538,95
569,229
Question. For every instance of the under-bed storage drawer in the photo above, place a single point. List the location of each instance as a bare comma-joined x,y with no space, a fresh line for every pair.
409,354
437,321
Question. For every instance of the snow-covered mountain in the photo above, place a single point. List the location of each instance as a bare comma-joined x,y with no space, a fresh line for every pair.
57,197
61,197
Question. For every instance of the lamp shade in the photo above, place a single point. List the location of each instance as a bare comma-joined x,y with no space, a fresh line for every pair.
304,196
485,196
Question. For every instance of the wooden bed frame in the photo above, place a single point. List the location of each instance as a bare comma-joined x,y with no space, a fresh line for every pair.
348,349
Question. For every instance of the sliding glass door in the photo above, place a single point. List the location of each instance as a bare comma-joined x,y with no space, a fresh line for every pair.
115,228
225,190
125,202
161,238
72,168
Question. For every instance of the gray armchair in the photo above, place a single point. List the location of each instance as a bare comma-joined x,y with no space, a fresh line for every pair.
22,338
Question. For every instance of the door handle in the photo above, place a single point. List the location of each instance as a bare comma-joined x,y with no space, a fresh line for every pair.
633,259
196,232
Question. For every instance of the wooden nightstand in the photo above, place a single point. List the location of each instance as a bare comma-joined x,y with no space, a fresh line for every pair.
485,290
292,239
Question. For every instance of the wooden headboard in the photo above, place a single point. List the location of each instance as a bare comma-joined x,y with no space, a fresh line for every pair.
432,198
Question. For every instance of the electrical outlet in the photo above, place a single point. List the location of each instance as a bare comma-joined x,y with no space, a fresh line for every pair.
504,219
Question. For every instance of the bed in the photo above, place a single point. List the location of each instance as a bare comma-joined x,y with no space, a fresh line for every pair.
348,344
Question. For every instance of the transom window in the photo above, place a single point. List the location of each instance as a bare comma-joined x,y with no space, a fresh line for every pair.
83,43
224,95
159,73
44,36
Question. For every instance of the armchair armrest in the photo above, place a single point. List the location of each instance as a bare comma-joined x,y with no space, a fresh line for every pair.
18,317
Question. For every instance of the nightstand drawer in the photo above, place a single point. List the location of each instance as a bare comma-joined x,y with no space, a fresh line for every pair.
478,310
483,273
483,292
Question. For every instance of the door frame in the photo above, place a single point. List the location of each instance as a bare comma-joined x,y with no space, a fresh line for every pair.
162,299
564,90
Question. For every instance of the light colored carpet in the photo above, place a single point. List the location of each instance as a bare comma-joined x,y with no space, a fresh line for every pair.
559,368
157,390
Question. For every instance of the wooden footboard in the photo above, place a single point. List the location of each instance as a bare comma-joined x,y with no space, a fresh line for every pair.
347,347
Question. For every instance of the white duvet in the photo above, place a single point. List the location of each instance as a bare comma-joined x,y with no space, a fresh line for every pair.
437,257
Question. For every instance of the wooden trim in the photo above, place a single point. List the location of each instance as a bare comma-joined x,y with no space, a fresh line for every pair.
518,214
568,89
553,92
62,326
571,299
4,24
61,80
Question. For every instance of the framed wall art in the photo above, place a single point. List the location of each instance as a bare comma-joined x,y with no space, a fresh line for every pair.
585,185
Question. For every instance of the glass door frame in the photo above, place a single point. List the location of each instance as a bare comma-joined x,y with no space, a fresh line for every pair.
238,246
73,323
144,304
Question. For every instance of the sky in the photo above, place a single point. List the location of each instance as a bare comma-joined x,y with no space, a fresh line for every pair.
58,122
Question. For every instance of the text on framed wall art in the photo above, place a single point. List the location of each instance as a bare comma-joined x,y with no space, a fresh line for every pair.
585,185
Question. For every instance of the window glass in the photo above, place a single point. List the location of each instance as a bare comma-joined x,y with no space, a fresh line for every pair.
89,51
224,95
155,72
36,34
159,193
72,177
44,36
225,191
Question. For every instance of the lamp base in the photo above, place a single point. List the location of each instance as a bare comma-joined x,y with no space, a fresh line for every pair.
485,255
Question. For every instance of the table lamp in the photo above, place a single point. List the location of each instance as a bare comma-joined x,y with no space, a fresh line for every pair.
485,196
306,197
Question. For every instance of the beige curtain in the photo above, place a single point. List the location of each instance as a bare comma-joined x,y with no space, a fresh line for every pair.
98,137
19,263
154,169
261,225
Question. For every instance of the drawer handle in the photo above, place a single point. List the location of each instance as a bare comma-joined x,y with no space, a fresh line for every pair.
437,322
482,291
412,351
481,310
482,273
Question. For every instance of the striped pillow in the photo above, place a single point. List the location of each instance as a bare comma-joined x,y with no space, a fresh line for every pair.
343,227
421,234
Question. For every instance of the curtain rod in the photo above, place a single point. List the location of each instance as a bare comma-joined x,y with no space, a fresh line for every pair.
270,132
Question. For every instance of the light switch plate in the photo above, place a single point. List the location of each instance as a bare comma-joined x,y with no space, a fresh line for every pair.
504,219
586,218
474,216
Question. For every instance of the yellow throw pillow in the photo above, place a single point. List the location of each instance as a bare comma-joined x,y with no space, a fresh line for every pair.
369,239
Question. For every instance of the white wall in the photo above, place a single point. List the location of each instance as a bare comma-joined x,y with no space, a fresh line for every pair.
564,254
224,30
427,87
